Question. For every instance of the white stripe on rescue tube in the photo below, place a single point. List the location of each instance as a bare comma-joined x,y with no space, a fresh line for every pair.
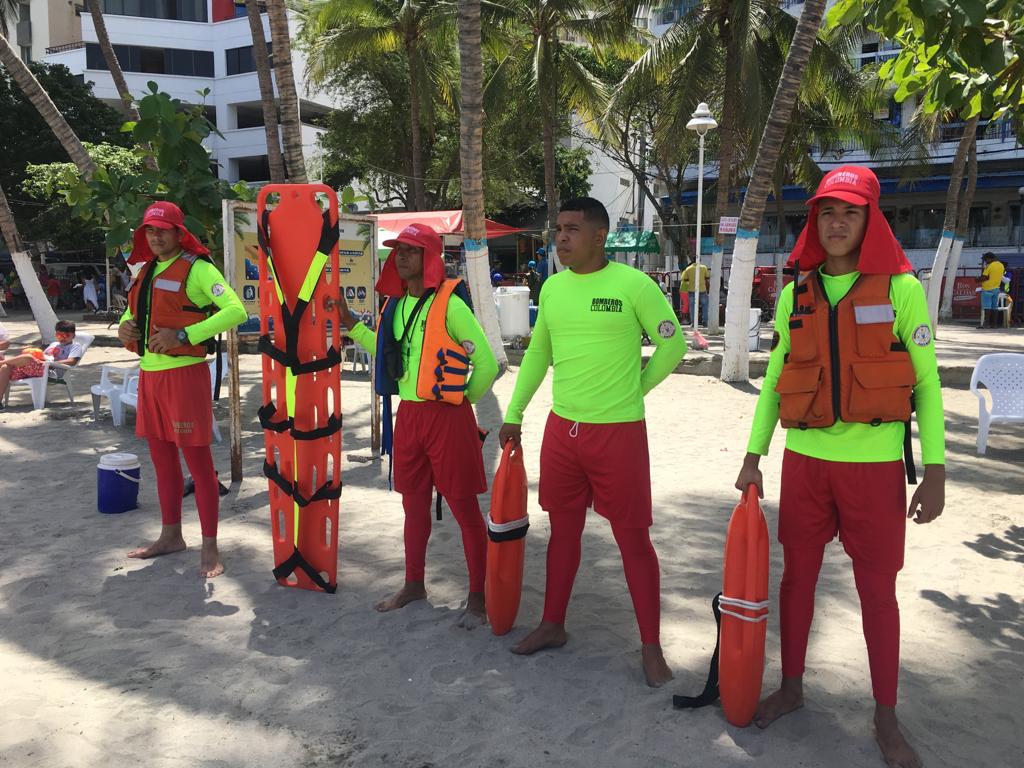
874,313
506,527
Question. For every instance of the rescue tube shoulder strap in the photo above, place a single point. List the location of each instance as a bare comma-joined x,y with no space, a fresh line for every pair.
710,693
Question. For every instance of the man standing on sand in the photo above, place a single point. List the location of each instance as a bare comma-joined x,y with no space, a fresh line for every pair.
432,352
852,351
591,319
176,306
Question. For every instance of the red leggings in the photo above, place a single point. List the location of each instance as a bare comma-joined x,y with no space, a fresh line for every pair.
639,562
170,483
418,510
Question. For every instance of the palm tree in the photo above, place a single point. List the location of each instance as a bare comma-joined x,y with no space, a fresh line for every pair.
735,363
26,81
962,223
267,98
290,122
536,34
337,31
471,148
949,223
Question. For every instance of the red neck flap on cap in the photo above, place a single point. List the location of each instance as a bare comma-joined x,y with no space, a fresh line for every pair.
167,213
390,284
880,252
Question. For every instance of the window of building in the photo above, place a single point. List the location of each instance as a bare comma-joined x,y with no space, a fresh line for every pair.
240,60
253,168
179,10
155,61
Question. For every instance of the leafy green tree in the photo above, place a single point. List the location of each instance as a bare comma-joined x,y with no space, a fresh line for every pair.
25,138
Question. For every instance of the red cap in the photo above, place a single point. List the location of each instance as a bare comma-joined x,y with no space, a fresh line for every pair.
163,215
422,236
880,252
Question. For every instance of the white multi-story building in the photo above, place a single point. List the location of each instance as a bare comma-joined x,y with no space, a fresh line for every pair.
187,47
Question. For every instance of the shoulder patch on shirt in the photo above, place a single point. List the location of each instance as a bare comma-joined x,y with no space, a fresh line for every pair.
469,346
217,289
922,335
666,329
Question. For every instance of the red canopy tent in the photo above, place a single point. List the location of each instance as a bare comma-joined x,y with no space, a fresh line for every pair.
443,222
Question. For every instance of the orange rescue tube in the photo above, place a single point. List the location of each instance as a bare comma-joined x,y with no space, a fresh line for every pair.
744,607
506,545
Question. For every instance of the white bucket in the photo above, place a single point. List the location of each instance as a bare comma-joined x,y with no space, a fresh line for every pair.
513,310
754,330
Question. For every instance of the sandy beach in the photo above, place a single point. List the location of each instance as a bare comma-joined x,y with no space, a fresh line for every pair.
106,661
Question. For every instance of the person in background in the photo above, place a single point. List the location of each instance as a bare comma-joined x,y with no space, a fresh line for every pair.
542,264
687,286
64,350
990,281
90,296
52,286
534,279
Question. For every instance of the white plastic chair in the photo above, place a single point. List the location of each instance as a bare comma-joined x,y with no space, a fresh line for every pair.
1004,306
110,389
53,373
130,396
359,356
212,362
1002,375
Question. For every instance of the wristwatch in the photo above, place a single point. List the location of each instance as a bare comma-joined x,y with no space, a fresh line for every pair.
182,337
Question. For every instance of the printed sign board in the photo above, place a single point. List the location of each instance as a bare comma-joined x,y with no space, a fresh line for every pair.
727,225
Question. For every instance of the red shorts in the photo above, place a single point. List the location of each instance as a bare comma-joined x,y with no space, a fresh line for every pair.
30,370
438,445
865,503
176,406
606,465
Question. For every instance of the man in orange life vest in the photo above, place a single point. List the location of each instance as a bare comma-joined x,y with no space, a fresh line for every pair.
177,304
430,351
852,354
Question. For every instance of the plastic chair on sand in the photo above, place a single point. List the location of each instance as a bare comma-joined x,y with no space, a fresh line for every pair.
53,373
1002,375
112,390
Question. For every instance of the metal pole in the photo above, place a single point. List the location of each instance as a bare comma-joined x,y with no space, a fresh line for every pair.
696,261
1020,219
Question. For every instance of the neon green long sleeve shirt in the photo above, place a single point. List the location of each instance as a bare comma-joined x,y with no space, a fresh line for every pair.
205,285
861,442
589,329
463,327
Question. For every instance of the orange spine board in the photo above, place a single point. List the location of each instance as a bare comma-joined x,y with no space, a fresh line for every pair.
294,232
744,611
503,588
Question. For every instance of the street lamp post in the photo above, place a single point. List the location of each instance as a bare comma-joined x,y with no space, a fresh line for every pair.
1020,219
701,122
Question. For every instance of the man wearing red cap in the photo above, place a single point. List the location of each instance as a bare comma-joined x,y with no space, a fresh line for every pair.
177,304
851,357
431,351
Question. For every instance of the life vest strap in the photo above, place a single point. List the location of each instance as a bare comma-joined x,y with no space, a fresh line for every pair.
325,492
296,560
710,693
442,353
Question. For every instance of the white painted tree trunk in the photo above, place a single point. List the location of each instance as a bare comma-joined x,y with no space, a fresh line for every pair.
946,308
935,281
735,358
41,309
478,273
715,290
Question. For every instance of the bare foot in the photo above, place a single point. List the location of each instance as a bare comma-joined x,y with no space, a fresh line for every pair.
789,698
546,635
170,540
656,669
210,565
475,615
896,750
412,591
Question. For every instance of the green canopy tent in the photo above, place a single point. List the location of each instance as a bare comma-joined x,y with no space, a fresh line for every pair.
632,242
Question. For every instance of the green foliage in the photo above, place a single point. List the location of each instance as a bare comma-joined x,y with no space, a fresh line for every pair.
956,55
26,140
115,199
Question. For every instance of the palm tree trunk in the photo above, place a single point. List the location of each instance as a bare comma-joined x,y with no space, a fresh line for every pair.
956,177
550,187
419,197
962,223
41,309
267,98
290,123
727,150
47,109
471,145
735,360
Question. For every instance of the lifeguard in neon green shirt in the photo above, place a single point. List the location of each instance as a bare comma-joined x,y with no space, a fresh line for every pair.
853,350
589,327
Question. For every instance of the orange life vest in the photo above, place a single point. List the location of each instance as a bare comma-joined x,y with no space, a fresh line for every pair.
844,362
165,304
